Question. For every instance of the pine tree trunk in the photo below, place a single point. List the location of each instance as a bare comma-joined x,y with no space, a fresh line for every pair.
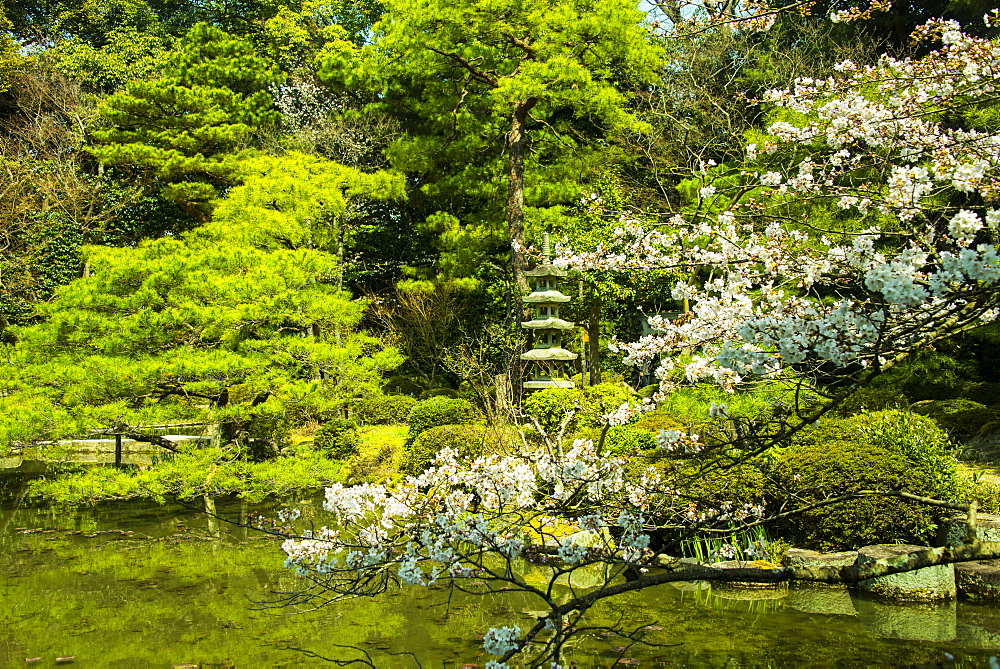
517,141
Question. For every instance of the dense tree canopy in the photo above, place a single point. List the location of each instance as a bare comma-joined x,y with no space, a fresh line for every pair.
200,198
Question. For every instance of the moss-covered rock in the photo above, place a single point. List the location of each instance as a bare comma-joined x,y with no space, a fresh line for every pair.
987,394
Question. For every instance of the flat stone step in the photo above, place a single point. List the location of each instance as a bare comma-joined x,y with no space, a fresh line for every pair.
952,532
801,557
921,585
979,580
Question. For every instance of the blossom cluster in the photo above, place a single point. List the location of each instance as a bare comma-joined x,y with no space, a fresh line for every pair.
784,292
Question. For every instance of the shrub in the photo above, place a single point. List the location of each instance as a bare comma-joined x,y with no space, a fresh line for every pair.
816,471
595,401
654,421
741,484
466,439
691,404
648,391
437,411
549,406
384,410
915,437
960,418
337,438
628,439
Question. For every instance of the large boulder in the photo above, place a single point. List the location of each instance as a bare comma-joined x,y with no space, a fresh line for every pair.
921,585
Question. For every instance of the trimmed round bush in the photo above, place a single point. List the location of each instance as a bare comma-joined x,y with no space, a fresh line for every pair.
466,439
549,406
647,392
384,410
654,421
602,399
437,411
817,471
916,437
741,484
337,438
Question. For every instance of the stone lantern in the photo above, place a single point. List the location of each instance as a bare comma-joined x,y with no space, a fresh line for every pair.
548,357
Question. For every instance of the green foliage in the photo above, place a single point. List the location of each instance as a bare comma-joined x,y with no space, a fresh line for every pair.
648,391
210,324
467,440
127,56
203,471
11,59
301,201
811,473
384,409
961,418
438,411
885,450
740,484
659,419
568,65
338,438
930,375
439,392
873,398
596,401
184,128
628,440
549,406
402,385
691,404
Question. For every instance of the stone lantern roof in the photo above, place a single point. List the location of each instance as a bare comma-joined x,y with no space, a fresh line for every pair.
546,297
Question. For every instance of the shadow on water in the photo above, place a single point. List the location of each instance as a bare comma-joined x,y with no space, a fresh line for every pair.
143,585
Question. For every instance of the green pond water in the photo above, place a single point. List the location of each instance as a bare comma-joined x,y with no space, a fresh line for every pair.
141,585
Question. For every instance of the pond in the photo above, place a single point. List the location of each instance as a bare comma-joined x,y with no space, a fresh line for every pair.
142,585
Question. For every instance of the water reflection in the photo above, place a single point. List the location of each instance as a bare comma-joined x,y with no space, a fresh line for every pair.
141,585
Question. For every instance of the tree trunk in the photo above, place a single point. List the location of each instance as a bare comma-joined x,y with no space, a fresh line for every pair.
517,141
594,341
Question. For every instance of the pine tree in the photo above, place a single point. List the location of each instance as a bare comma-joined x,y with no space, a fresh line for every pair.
227,323
521,93
184,130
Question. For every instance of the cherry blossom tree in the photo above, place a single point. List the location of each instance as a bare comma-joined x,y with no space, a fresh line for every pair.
860,228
